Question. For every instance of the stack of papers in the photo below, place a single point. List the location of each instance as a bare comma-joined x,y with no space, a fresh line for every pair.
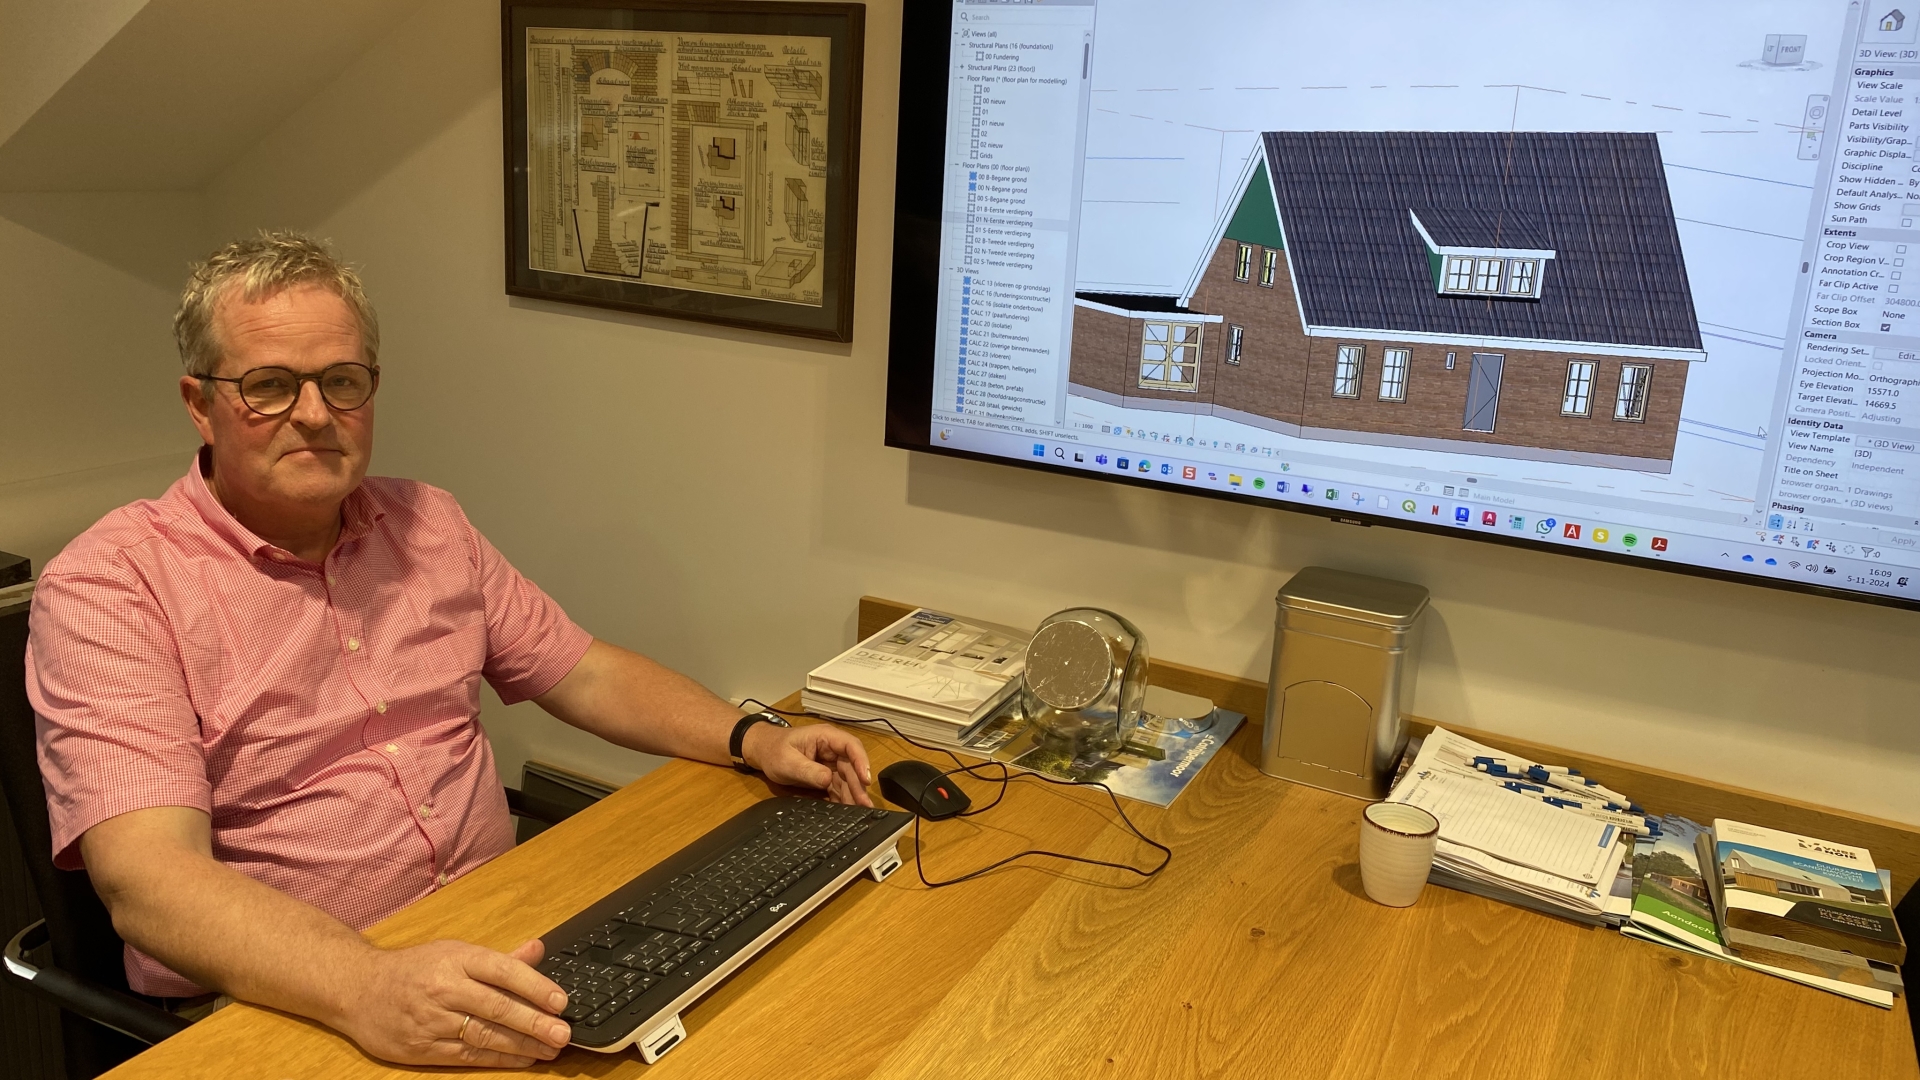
933,676
1499,843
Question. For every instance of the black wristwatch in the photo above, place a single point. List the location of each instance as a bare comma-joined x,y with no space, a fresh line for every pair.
740,735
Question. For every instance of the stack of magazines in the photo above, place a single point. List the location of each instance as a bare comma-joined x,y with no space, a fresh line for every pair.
1504,841
935,677
1808,910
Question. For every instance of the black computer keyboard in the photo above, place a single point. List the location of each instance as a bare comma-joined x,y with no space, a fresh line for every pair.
632,961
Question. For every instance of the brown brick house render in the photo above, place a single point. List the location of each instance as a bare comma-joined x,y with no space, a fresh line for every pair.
1514,295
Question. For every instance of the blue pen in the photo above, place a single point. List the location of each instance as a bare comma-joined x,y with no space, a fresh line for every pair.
1515,785
1580,799
1630,822
1493,759
1583,786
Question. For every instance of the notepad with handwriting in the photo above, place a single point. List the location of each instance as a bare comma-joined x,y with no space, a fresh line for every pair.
1477,814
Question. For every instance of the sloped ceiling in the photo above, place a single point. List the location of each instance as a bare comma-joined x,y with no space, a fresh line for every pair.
42,45
184,88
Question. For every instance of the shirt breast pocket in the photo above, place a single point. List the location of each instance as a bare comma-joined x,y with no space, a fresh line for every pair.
437,657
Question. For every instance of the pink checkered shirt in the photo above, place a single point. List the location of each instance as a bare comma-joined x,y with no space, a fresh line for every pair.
325,716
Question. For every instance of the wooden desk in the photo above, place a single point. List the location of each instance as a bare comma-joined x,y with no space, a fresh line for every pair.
1254,954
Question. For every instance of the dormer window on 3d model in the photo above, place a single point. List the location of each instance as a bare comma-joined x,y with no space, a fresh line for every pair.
1484,253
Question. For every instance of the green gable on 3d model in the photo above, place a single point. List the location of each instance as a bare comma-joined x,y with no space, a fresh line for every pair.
1508,294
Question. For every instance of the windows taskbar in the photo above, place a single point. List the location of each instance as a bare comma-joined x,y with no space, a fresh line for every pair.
1856,569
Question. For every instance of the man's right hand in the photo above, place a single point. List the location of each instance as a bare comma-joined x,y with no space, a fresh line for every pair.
415,1002
155,870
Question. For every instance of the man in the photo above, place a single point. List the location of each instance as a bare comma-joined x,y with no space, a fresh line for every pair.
258,695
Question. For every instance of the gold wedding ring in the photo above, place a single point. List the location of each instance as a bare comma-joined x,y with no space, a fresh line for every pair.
465,1019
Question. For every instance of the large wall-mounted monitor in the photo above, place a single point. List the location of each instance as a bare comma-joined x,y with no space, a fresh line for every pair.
1635,281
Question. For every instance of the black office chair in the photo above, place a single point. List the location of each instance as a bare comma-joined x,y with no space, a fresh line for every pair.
73,957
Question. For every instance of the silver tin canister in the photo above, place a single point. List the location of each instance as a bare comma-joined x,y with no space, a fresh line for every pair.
1345,652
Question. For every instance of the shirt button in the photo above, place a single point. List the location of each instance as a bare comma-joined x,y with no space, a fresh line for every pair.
353,644
443,880
331,580
426,811
393,748
380,707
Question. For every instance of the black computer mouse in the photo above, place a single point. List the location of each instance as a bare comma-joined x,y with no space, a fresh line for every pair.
919,786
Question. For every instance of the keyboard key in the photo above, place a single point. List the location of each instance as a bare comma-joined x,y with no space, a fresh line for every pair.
599,1018
673,922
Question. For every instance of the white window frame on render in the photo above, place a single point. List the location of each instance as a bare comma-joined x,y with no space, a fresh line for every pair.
1630,404
1170,356
1491,275
1348,366
1523,276
1236,338
1488,274
1243,263
1269,266
1394,364
1578,398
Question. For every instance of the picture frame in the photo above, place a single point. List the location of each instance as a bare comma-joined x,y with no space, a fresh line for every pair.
693,159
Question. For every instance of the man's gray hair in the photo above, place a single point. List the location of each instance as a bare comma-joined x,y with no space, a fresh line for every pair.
262,266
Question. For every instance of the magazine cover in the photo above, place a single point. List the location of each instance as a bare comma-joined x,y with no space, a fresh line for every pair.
928,661
1670,895
1833,889
1152,767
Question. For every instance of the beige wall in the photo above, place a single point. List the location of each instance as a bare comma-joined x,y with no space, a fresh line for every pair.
719,499
90,417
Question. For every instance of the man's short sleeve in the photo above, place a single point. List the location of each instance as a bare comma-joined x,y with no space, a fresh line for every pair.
531,644
117,732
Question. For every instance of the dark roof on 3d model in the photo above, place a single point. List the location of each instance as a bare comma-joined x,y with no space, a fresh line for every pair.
1598,199
1135,301
1460,226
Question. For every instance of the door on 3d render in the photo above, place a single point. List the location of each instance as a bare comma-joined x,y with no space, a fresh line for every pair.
1483,391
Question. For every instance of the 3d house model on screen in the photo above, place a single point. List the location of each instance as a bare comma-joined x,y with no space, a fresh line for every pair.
1506,294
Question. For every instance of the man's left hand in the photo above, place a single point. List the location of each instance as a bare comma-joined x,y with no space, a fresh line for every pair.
814,756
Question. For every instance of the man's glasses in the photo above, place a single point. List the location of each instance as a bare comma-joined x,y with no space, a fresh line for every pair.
271,391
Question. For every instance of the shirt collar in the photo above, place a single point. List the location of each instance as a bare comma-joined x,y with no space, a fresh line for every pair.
358,514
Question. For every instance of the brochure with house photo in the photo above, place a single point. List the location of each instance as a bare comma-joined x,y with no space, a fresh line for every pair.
1804,889
1670,895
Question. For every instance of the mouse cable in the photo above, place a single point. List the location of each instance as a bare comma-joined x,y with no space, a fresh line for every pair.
1006,777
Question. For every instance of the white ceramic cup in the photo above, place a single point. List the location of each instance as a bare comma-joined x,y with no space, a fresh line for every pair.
1396,851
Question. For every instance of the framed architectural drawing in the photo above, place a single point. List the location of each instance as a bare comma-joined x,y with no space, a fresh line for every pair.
691,159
